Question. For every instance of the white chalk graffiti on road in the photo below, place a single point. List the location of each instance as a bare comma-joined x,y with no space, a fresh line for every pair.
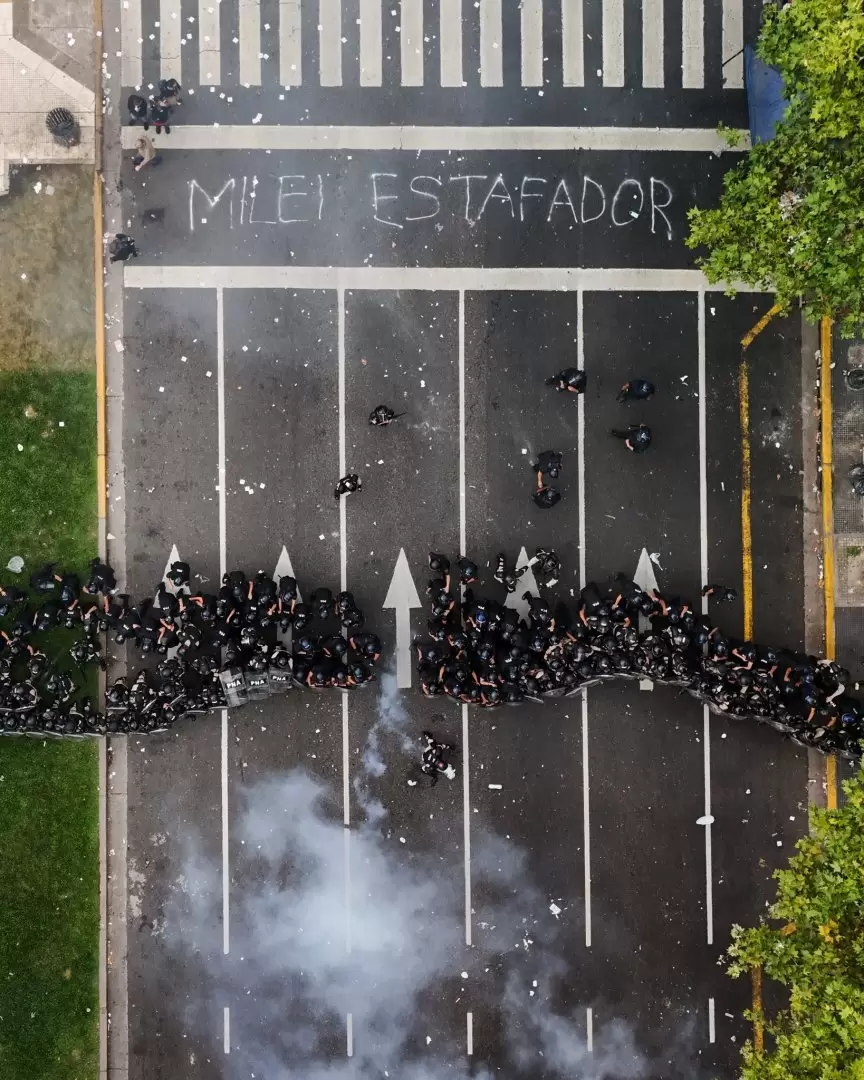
403,201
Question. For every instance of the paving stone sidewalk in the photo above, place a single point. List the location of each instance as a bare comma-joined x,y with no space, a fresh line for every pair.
848,450
47,50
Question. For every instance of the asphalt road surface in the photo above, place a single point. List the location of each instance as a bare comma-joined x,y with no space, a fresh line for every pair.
262,322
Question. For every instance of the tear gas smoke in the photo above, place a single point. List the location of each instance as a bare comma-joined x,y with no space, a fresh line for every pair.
324,924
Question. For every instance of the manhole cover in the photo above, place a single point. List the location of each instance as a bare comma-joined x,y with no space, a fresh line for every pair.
855,378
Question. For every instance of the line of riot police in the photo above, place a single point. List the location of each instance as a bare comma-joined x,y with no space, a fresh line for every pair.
479,651
252,639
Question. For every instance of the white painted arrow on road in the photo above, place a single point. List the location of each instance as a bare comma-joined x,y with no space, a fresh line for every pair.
402,596
526,583
172,558
285,569
646,579
170,587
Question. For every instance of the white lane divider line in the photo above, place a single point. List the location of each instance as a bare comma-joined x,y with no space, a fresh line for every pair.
226,870
703,561
466,819
589,1030
466,789
712,1034
462,503
709,869
580,431
580,440
469,1034
226,1030
343,537
703,445
586,819
223,531
349,1035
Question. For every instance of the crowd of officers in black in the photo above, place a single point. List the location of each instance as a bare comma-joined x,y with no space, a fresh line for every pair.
478,651
213,651
208,651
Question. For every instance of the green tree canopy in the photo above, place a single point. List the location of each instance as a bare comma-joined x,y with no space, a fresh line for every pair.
812,942
791,217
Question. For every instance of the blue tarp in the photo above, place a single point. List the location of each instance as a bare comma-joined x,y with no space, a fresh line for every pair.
766,96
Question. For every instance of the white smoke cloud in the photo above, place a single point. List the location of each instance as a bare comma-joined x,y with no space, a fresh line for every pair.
328,923
295,979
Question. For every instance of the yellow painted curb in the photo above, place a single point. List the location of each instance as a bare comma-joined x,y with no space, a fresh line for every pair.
746,475
99,282
747,340
746,497
828,568
758,1018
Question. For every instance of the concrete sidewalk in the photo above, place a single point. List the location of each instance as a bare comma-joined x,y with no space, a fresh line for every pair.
848,508
46,60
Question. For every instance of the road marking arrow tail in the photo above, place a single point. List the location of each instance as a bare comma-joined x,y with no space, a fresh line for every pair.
401,597
285,569
527,583
646,579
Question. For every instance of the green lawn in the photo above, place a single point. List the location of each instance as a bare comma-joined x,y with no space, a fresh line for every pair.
48,487
49,809
49,910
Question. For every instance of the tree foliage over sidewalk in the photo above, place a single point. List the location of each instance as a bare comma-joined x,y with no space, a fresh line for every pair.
791,218
812,942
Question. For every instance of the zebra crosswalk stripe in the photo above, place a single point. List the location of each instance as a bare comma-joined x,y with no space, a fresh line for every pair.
572,43
249,68
290,44
532,42
330,42
693,44
170,35
733,44
491,52
371,45
613,42
411,42
424,26
652,43
209,42
450,41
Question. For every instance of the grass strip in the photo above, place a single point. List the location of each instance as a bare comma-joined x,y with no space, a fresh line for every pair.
49,811
49,910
